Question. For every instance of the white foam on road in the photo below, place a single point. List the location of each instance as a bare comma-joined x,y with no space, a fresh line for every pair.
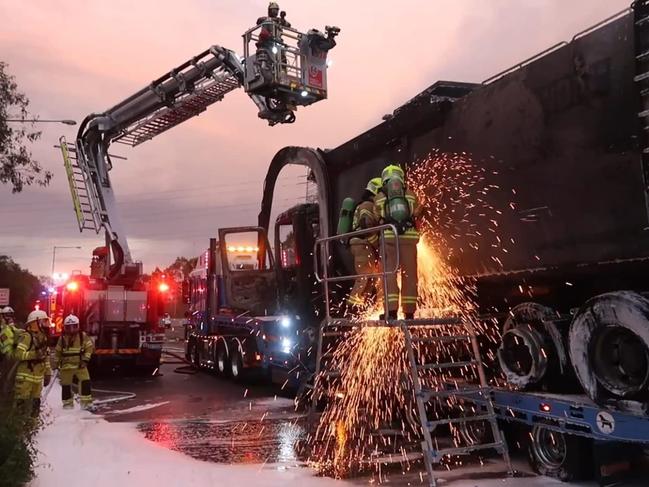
78,448
136,409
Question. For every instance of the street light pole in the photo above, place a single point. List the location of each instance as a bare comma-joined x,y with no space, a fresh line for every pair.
54,254
38,120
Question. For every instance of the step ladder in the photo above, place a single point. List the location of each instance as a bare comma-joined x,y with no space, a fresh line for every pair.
438,384
453,392
87,206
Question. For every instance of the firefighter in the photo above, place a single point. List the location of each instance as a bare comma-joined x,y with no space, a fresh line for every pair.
364,248
273,14
8,331
8,335
397,205
33,357
72,354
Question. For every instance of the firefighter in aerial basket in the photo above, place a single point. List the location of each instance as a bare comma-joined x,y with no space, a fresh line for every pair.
397,205
364,248
33,357
73,352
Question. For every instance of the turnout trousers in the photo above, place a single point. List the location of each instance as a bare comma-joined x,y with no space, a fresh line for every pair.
408,271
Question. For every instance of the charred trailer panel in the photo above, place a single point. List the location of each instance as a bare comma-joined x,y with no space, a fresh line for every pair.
560,140
561,134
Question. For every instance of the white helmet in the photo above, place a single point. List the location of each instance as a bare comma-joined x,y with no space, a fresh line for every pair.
36,315
71,320
7,310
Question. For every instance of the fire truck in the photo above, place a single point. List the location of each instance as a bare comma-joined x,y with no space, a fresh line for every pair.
282,69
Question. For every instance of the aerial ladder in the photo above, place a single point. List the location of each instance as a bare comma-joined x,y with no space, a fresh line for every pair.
282,69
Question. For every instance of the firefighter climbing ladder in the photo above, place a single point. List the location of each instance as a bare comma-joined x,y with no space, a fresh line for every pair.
451,392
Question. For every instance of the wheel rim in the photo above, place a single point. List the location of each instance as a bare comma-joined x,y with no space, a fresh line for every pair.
220,361
549,447
235,367
620,360
474,432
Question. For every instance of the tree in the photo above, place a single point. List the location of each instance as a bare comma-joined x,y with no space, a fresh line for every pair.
24,287
16,164
181,268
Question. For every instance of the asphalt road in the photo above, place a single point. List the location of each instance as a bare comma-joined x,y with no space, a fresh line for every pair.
202,415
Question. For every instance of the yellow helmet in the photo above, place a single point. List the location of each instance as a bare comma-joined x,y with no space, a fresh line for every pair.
273,5
374,185
392,171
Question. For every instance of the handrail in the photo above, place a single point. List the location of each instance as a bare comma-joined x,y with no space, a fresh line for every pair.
558,45
524,62
344,236
323,243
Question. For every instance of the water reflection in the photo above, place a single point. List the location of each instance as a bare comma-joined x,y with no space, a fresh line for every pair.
268,441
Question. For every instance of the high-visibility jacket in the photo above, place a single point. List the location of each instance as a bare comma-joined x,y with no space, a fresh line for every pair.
8,335
364,218
33,356
73,350
381,201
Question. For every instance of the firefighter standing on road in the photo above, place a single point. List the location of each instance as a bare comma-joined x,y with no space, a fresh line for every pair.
34,369
8,332
8,337
72,354
397,205
364,247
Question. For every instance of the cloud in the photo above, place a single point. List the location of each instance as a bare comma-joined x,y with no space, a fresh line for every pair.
73,58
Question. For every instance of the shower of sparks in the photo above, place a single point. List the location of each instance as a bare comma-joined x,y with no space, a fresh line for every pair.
366,375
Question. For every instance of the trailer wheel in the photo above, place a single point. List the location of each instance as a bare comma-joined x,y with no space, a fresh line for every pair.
609,347
196,357
236,365
558,455
531,349
222,365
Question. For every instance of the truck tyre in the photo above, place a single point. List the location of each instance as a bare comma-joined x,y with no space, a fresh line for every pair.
558,455
236,365
609,348
531,352
196,358
222,363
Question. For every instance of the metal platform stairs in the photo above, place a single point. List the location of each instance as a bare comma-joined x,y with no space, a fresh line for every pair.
440,382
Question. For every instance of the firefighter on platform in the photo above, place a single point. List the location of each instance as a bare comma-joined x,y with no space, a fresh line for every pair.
72,354
397,205
34,369
364,247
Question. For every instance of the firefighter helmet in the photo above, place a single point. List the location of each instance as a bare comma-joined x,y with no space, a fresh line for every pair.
392,171
71,323
273,5
37,315
7,310
374,185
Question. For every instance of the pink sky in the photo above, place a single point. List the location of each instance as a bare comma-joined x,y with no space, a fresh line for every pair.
73,58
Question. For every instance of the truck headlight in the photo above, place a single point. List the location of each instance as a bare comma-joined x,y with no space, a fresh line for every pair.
285,322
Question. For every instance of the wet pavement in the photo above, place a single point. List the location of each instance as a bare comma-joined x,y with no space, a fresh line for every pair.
204,416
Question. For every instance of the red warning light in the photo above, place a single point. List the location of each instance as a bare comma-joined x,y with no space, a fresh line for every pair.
546,408
72,286
163,287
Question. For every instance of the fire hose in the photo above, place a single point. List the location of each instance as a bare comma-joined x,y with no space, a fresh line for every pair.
188,368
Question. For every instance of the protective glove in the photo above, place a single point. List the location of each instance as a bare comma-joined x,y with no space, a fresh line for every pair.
47,380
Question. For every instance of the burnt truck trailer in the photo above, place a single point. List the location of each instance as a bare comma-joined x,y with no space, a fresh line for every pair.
562,139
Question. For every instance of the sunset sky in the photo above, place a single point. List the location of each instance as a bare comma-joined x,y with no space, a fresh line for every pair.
73,58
